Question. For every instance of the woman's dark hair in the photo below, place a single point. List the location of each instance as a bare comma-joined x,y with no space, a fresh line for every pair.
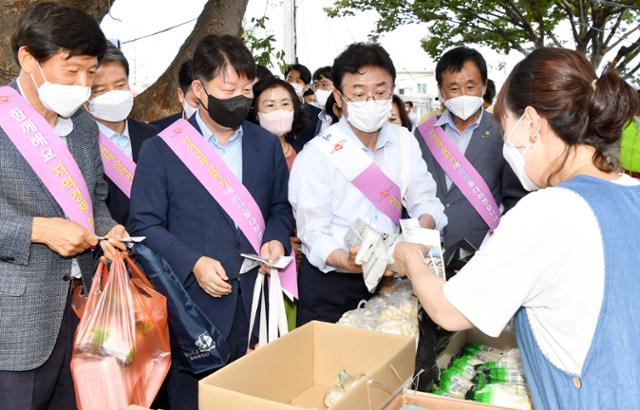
404,116
580,107
185,77
454,59
114,55
490,94
214,53
328,108
322,72
262,72
305,74
357,56
48,28
300,120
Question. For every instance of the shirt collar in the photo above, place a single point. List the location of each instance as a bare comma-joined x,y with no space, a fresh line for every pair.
108,132
208,135
447,119
63,127
383,134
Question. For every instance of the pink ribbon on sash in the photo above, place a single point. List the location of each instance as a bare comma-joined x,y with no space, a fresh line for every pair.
47,155
381,191
461,172
117,165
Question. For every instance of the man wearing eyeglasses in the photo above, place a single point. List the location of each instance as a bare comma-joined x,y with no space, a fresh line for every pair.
361,167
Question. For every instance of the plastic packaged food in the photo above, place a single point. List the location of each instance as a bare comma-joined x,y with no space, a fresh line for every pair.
340,387
394,311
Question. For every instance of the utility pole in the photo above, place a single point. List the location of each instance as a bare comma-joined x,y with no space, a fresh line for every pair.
290,31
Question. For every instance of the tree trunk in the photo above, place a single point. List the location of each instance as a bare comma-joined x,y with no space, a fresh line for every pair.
11,11
160,100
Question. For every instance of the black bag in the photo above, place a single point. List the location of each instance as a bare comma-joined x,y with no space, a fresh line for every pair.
434,339
200,345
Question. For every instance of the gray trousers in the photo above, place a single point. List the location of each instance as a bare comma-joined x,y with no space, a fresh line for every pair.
49,386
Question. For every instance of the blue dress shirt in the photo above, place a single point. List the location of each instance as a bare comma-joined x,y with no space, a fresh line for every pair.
122,141
461,139
230,152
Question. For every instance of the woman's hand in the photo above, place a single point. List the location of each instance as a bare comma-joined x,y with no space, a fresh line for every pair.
405,254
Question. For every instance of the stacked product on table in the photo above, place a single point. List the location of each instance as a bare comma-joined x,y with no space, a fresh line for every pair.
486,375
394,310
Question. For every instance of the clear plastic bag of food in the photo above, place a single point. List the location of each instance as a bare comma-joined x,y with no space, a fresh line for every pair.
344,382
121,351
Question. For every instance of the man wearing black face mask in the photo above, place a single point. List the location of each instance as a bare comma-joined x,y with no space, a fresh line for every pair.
193,229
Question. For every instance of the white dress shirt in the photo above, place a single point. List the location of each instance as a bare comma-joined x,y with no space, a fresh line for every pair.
326,204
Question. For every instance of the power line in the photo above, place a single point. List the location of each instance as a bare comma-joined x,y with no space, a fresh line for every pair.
614,4
159,32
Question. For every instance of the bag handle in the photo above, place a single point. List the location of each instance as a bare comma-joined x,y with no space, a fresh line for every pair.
136,272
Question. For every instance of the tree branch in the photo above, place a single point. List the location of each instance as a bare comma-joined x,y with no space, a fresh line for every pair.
620,60
615,27
622,38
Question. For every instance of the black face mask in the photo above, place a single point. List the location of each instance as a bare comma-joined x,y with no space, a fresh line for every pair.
230,112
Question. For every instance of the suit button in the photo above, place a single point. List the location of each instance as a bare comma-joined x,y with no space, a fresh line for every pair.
238,245
448,205
577,383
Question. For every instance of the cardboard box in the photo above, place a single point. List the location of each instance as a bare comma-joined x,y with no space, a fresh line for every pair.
435,402
296,371
506,340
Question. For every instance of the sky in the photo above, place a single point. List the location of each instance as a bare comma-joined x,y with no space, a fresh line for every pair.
320,38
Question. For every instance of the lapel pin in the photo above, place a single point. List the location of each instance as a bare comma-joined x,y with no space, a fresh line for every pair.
486,135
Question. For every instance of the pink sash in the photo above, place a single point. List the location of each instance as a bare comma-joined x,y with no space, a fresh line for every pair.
388,200
221,183
361,171
47,155
117,165
461,172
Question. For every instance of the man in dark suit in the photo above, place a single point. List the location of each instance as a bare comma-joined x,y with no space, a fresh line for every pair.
186,97
40,248
461,74
186,226
110,104
299,77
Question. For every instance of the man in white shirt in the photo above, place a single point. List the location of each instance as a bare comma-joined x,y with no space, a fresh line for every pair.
326,203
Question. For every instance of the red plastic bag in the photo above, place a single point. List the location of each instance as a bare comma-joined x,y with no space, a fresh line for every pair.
121,352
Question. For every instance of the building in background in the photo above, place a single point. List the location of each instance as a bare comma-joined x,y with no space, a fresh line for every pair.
419,87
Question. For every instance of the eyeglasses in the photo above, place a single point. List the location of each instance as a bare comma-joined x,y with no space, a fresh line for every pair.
380,97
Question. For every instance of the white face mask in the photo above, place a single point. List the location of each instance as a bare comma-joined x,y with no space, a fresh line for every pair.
112,106
277,122
515,159
62,99
369,117
188,110
322,96
464,106
297,88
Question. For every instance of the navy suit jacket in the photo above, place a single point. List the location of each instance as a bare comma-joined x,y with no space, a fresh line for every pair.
310,132
485,154
117,201
182,222
163,123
